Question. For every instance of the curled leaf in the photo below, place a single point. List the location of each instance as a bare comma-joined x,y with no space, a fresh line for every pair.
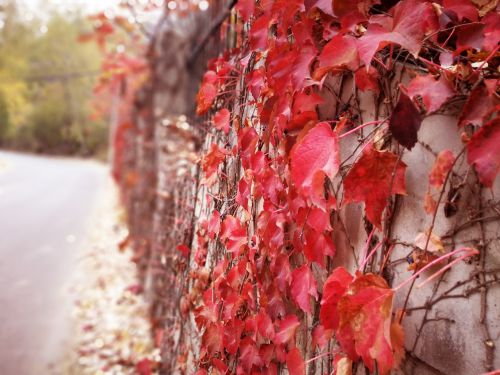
405,122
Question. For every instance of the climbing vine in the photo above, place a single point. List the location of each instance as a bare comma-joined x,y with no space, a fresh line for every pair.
275,283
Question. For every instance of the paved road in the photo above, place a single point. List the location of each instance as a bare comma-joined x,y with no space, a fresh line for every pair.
45,208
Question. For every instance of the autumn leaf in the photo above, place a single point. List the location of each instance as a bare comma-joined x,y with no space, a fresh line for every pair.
295,362
221,120
214,225
245,8
317,245
211,161
440,169
255,82
301,66
434,93
184,250
411,21
321,336
249,354
462,8
367,80
315,156
418,259
334,288
483,152
144,367
234,233
397,341
285,330
433,245
207,93
342,8
491,31
365,313
405,122
265,325
338,54
479,103
372,179
258,32
324,5
303,287
211,339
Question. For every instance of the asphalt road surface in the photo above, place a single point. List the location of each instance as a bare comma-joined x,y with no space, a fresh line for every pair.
46,206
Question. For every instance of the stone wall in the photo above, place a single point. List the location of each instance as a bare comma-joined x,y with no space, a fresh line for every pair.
452,325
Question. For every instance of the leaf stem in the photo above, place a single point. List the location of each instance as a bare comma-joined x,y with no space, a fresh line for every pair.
376,122
470,251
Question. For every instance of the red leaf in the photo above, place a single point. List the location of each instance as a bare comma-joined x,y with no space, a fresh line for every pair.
295,362
365,318
184,250
214,225
367,80
221,120
301,67
405,122
371,181
317,246
144,367
304,102
212,338
321,336
334,288
412,20
313,157
441,167
478,105
483,151
232,336
207,93
280,267
286,329
210,163
324,5
303,287
249,354
469,36
255,82
234,233
338,54
342,8
462,8
258,32
243,193
434,93
265,325
491,31
246,9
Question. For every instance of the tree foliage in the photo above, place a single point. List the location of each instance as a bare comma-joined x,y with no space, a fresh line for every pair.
47,79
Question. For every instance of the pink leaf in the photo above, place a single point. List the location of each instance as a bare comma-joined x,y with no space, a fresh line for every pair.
221,120
315,156
434,93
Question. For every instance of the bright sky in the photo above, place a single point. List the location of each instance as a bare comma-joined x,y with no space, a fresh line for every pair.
89,6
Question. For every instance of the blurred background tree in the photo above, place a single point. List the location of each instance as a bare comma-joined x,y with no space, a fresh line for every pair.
46,84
